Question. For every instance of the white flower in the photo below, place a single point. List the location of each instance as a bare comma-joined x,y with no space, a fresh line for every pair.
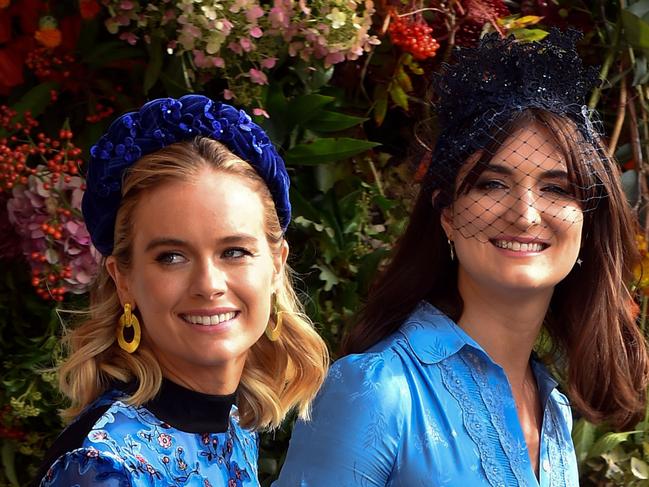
337,18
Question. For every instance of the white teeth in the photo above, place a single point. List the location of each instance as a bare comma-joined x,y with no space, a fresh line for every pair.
211,319
518,246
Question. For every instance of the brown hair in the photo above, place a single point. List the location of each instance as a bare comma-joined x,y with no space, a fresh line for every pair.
591,318
277,375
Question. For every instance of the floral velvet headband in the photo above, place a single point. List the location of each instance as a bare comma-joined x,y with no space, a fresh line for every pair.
163,122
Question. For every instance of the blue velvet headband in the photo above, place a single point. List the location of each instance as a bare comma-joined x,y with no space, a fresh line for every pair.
158,124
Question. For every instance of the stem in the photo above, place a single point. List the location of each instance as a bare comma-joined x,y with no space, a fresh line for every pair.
427,9
606,66
619,121
377,176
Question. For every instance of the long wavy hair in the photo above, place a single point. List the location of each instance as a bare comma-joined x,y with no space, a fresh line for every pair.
592,315
278,375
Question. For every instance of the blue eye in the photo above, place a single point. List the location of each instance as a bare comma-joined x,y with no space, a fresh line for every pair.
557,189
170,258
490,184
236,253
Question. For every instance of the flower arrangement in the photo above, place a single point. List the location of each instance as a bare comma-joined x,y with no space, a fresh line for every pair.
242,40
43,199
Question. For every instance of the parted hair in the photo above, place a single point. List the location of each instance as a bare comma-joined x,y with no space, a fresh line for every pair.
277,376
592,315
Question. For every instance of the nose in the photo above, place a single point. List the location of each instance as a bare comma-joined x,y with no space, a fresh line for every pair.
524,209
209,280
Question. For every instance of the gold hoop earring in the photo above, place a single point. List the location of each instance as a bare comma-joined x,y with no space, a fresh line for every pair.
273,332
128,320
450,246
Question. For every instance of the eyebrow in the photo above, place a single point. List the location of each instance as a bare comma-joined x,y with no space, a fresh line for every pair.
506,170
242,239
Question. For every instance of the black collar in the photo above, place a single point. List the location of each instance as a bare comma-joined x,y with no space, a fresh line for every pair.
191,411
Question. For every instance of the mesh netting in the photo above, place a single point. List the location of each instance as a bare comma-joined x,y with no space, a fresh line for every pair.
535,172
518,152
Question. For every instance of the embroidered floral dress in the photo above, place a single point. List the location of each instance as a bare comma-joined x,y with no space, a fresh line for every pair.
427,407
182,438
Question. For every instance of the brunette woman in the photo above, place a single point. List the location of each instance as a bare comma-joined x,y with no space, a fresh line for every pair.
521,226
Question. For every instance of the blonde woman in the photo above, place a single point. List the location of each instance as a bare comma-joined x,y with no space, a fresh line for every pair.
195,338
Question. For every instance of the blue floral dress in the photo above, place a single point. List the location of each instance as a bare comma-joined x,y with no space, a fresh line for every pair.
427,407
181,438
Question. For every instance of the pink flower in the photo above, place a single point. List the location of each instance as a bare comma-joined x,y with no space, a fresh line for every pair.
269,62
256,32
260,112
228,94
246,44
254,12
235,48
129,37
164,440
258,77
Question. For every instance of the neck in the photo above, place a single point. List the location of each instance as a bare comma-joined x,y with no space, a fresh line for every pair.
505,324
221,379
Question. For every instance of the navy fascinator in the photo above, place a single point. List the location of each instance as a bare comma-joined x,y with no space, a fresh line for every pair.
158,124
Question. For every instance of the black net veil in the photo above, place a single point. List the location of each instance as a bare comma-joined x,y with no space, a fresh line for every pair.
518,150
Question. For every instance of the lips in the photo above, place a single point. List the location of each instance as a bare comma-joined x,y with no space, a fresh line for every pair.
211,319
517,246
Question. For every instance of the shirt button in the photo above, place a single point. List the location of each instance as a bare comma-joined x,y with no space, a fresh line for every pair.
546,465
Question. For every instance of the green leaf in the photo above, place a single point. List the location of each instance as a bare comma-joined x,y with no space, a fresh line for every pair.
303,108
323,151
327,121
9,463
107,52
639,468
608,442
328,276
529,35
380,104
583,436
404,80
154,67
636,30
399,97
36,100
639,8
640,75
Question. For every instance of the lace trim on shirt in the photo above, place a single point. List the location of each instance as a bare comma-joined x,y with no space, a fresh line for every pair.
460,383
516,452
558,469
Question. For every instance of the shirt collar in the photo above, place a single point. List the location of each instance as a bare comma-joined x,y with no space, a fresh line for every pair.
433,336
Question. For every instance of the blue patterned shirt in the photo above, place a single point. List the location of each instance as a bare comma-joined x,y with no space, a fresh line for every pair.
129,446
427,407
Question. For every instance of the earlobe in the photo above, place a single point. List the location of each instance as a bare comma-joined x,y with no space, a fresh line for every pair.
446,220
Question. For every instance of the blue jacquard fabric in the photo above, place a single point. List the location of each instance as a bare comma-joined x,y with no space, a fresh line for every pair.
129,447
427,407
158,124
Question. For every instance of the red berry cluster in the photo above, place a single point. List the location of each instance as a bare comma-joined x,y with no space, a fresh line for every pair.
46,65
7,429
20,153
413,36
101,112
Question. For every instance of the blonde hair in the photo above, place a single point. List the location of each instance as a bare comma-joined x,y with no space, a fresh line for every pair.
278,375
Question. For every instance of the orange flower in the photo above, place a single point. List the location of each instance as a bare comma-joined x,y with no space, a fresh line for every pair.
88,9
49,37
4,3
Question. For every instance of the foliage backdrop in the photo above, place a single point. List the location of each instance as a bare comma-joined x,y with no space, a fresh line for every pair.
341,87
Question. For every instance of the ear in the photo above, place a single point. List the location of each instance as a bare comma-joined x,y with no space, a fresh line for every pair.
121,281
279,262
446,220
